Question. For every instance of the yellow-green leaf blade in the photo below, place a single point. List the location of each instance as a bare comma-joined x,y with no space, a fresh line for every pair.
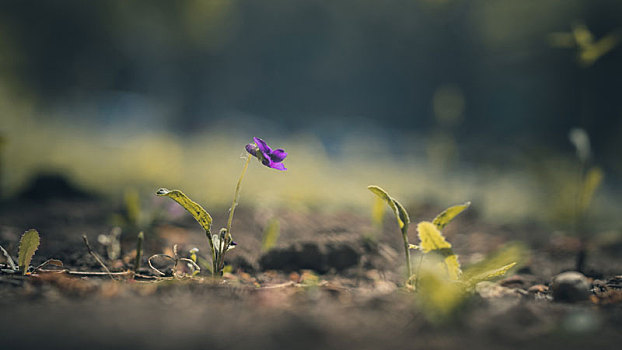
197,211
432,240
490,274
444,218
515,254
28,245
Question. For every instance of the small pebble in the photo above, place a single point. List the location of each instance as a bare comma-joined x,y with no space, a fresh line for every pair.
570,287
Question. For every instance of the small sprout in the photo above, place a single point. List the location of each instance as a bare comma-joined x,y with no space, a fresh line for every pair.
112,242
403,220
440,281
139,251
589,50
28,244
588,181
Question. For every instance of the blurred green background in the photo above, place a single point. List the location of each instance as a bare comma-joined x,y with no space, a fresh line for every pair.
438,101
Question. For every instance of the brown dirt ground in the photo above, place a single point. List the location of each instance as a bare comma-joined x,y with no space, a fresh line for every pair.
271,300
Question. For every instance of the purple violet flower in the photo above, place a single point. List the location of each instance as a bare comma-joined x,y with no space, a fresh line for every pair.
267,156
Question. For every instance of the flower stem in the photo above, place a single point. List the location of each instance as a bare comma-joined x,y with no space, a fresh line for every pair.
227,239
236,194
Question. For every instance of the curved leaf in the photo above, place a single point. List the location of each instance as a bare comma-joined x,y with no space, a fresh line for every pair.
444,218
28,245
400,213
197,211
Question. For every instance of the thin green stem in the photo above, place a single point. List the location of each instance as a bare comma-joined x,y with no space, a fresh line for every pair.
226,241
406,250
139,251
236,194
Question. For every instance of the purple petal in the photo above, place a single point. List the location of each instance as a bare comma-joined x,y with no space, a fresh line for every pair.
265,159
263,146
252,149
278,155
277,166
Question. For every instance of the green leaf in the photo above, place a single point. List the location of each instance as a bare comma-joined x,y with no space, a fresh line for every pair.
28,244
270,235
490,274
444,218
432,240
199,214
515,254
400,213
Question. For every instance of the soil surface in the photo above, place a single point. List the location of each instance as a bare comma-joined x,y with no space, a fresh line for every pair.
325,285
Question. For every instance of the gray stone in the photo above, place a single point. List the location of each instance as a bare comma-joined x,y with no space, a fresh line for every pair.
570,287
